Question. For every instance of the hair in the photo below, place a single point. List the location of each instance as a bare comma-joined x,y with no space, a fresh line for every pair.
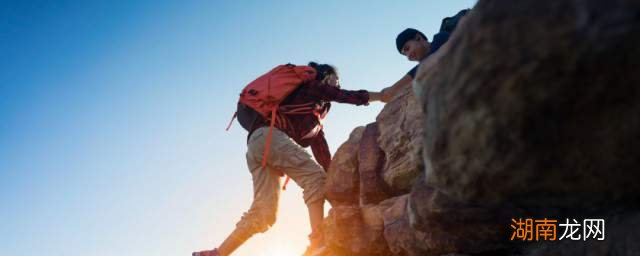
406,35
323,70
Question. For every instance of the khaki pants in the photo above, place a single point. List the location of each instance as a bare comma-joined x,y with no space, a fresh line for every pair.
285,156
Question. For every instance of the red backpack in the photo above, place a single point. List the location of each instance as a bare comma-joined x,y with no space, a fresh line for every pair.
263,97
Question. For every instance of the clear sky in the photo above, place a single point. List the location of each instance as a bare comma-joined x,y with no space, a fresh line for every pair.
112,115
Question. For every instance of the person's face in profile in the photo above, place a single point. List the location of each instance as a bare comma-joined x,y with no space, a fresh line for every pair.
416,49
332,80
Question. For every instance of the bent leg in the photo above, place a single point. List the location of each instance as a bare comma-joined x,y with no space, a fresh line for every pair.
262,213
296,162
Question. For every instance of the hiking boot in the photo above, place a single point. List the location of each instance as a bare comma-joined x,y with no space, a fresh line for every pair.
213,252
316,243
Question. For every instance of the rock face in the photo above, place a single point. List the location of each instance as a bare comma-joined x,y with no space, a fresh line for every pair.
343,181
401,125
402,239
540,97
355,231
373,189
530,110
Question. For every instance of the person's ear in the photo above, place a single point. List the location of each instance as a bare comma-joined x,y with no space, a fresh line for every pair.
419,38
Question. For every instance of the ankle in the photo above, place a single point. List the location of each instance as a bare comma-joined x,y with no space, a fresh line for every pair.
316,239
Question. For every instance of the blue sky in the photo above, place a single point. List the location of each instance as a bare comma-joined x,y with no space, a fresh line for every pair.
112,115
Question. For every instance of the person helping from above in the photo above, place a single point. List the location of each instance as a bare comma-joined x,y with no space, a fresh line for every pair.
416,47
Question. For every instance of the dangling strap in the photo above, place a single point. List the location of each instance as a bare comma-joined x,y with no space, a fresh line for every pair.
231,122
267,144
286,181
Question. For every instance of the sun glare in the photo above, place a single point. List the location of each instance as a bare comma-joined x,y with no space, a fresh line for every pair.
283,250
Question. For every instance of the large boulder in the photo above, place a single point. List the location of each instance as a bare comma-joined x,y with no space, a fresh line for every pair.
351,230
401,125
536,104
458,227
373,189
343,180
531,110
402,239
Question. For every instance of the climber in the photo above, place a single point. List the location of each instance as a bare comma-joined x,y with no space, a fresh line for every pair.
288,156
416,47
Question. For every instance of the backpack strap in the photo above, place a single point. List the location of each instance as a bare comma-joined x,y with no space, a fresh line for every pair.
286,181
267,145
231,122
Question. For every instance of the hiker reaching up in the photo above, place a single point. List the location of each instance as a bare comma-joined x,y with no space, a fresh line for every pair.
279,130
416,47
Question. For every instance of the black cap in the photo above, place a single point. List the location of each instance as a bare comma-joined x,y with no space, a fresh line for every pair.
406,35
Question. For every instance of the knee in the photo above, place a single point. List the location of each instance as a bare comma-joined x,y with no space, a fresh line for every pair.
313,180
314,190
258,220
269,216
265,218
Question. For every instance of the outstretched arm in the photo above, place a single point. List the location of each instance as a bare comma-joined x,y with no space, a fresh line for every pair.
391,91
375,96
326,92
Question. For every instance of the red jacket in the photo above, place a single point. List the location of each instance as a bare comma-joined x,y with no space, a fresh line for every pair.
305,129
